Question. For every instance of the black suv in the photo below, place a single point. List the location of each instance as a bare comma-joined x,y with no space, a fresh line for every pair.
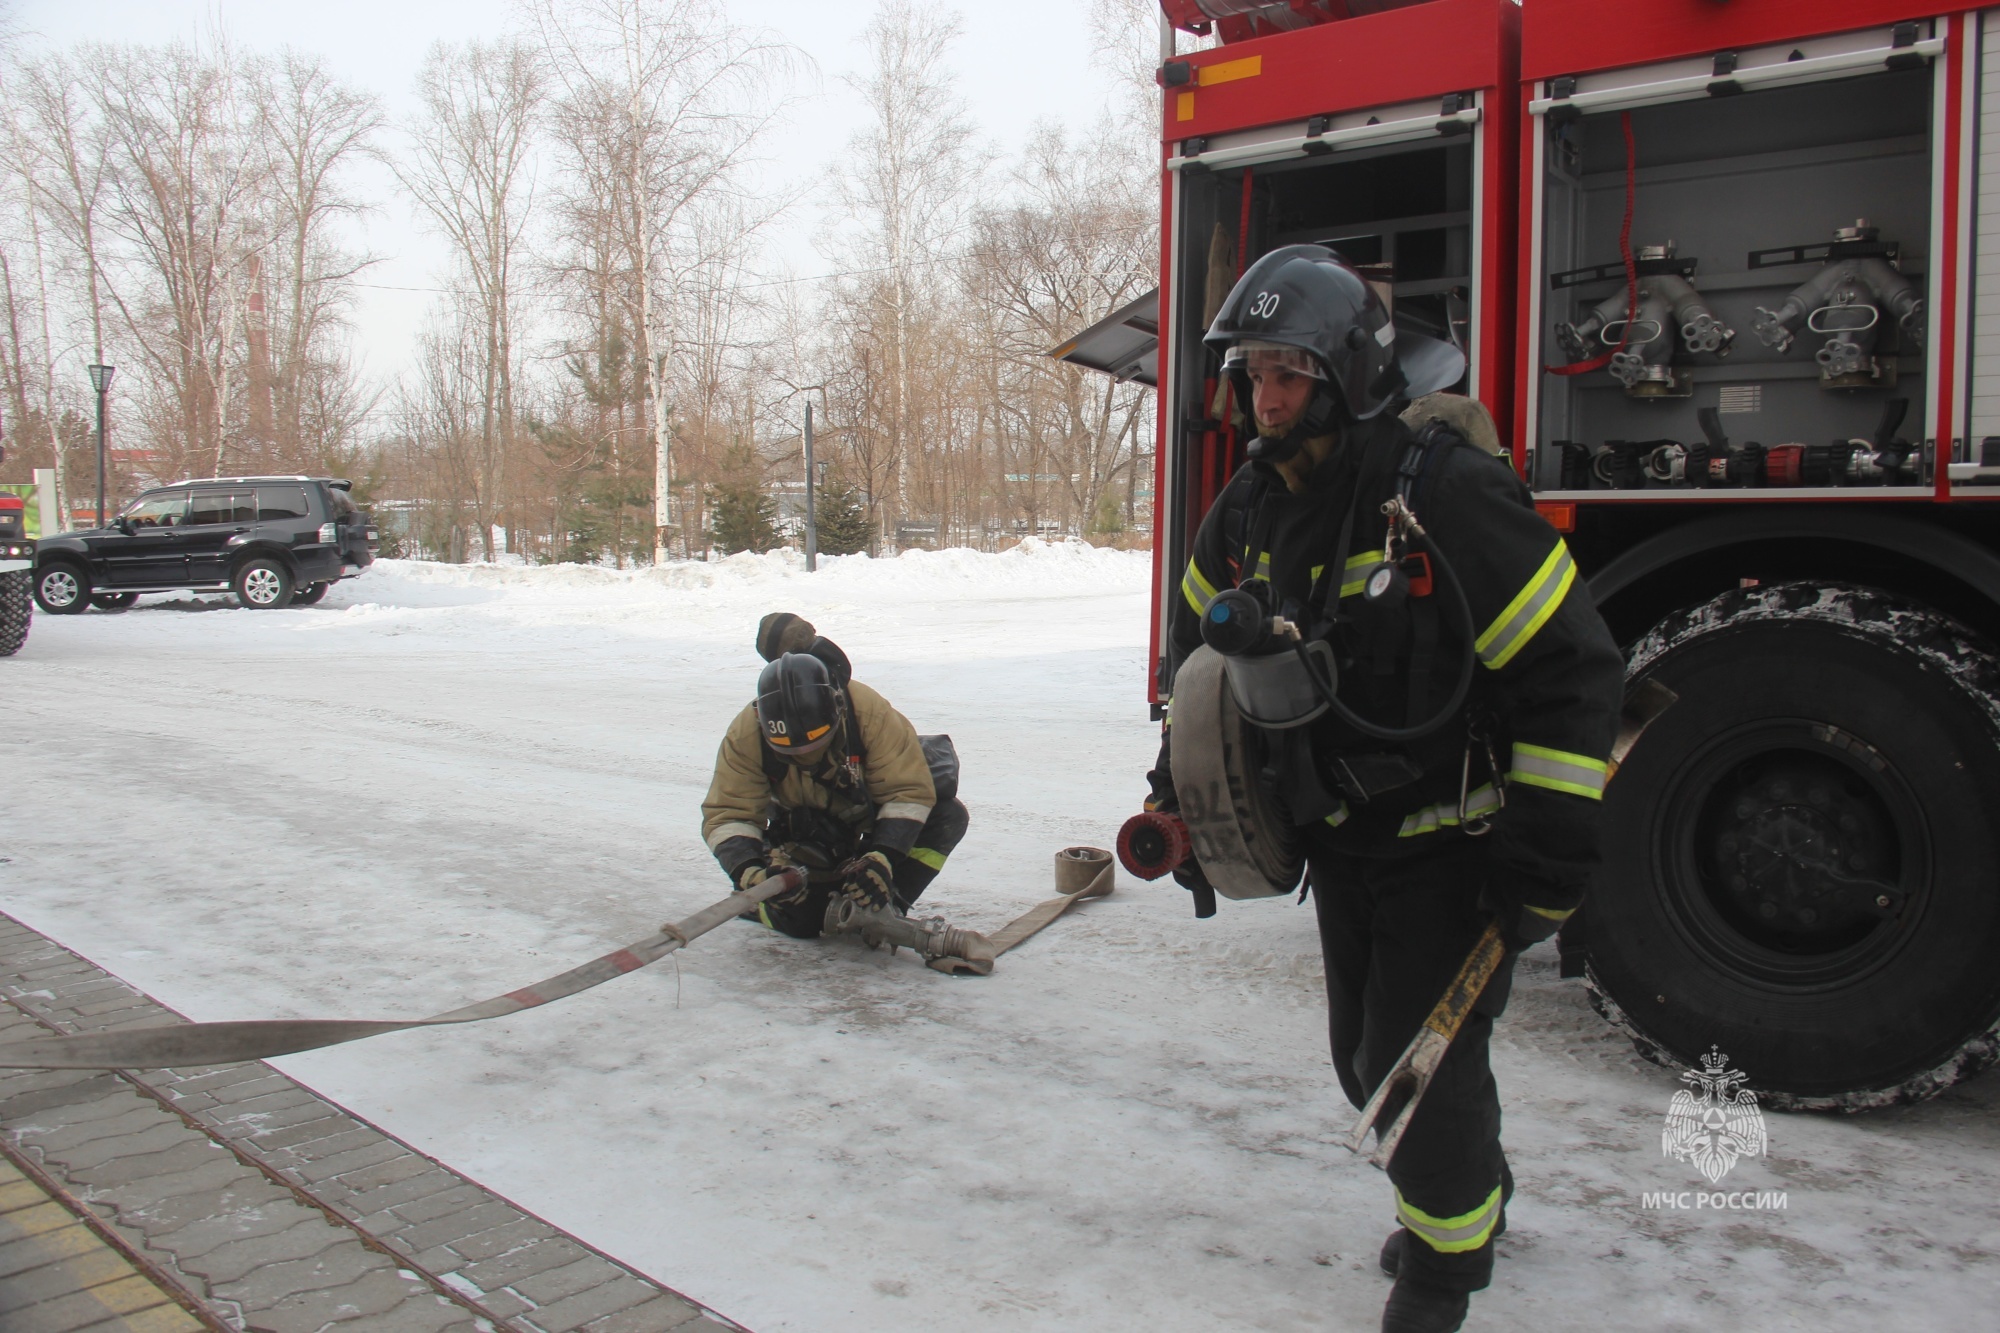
274,541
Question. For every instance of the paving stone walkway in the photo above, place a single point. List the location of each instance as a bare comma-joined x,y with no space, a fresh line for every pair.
243,1196
59,1274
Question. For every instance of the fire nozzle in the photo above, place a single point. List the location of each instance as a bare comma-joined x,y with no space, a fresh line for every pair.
934,939
1153,844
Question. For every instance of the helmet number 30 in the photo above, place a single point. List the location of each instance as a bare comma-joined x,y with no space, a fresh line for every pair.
1264,305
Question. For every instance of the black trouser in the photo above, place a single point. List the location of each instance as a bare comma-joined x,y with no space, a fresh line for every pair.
1394,932
802,916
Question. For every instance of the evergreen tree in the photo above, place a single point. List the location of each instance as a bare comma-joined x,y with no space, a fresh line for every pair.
843,523
745,518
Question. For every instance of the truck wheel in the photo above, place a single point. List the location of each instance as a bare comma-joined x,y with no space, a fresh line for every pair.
62,590
263,584
1803,854
309,594
17,608
114,601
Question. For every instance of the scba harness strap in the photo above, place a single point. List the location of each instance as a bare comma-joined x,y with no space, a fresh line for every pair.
1396,631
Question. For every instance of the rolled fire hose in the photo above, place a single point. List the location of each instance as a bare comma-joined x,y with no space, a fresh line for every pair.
1247,846
190,1045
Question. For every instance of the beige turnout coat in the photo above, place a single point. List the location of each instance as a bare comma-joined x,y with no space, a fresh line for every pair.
878,782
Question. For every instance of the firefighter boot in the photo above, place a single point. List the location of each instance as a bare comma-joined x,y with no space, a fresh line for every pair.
1391,1257
1418,1307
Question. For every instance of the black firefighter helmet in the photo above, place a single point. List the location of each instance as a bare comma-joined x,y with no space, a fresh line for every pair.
798,708
1306,298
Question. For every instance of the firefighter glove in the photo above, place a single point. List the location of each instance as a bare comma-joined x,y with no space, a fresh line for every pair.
1188,875
1521,923
870,880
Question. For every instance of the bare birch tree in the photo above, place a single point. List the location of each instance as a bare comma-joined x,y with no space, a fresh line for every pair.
1079,243
906,185
661,102
30,169
310,132
182,212
469,165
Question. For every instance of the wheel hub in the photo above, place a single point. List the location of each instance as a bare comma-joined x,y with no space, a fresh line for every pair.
1800,852
1791,851
261,586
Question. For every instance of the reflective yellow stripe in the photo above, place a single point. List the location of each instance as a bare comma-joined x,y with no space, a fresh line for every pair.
1481,800
1531,608
764,916
1228,71
1263,570
1451,1235
1366,560
1559,770
935,860
1552,913
1338,817
1198,590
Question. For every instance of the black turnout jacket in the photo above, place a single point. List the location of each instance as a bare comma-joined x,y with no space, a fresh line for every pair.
1545,695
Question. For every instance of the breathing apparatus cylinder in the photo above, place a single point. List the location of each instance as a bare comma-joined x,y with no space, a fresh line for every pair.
1278,689
1238,621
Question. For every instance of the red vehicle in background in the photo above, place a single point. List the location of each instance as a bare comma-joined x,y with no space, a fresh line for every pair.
1728,278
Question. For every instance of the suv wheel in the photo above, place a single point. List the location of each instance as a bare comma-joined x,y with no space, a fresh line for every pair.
309,594
62,590
113,601
263,585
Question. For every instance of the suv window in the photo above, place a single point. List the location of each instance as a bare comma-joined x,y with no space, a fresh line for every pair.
274,502
165,510
223,507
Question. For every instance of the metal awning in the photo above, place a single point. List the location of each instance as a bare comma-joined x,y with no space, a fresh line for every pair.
1125,344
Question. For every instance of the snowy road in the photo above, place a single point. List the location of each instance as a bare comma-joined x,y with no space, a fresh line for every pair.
443,783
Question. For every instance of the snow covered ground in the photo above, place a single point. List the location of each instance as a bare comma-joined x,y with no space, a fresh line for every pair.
442,783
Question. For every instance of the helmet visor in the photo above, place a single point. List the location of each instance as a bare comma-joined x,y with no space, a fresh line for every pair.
800,747
1252,357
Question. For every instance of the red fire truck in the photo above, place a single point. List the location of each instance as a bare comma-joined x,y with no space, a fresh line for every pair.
1727,275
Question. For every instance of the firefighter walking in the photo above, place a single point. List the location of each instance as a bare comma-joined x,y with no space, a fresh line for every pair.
821,772
1453,775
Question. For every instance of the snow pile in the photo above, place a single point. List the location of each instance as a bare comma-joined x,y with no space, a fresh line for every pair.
1031,568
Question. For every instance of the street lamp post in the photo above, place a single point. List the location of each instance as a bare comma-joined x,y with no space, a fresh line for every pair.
100,380
812,518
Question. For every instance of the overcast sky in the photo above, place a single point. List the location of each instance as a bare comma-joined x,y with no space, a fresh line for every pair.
1017,62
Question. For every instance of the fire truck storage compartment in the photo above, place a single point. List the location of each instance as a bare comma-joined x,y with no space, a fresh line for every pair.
1406,206
1727,180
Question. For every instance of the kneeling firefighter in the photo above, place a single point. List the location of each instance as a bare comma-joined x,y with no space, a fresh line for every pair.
821,772
1430,703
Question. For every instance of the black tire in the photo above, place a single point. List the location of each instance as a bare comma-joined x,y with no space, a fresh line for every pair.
17,609
263,584
309,594
1803,854
62,589
113,601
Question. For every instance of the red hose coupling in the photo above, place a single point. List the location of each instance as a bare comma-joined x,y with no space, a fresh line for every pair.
1153,844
